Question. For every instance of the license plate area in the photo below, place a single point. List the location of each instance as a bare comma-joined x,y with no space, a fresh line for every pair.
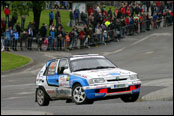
115,86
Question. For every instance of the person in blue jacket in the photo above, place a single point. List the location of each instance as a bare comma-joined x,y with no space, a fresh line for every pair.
16,37
76,16
7,39
51,17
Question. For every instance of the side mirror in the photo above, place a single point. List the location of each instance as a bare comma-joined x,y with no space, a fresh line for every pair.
66,71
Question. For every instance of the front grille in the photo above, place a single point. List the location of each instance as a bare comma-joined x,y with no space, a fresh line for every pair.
117,79
109,90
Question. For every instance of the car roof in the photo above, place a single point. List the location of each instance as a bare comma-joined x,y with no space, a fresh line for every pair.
78,56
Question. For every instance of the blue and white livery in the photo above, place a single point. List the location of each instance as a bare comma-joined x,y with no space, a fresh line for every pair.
84,79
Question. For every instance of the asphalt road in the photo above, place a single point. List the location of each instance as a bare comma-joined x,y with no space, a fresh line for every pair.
150,54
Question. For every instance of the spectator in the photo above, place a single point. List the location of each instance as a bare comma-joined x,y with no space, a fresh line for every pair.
98,32
57,17
30,39
67,40
90,11
83,18
71,36
122,29
45,47
43,31
3,26
59,36
82,38
16,37
76,34
29,25
71,18
147,22
76,16
23,17
141,20
7,13
39,41
51,17
23,38
52,41
11,24
136,20
110,12
18,28
123,10
11,36
137,9
63,39
7,39
14,16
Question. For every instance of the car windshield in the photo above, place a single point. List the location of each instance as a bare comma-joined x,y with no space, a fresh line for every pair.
90,64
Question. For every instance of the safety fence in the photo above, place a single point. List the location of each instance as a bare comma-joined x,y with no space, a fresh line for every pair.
113,35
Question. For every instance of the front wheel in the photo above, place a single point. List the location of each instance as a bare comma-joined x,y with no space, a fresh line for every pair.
42,100
130,97
79,96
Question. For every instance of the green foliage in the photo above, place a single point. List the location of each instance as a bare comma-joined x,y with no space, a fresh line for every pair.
21,7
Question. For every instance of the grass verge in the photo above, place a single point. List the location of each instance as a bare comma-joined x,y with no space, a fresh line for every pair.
11,61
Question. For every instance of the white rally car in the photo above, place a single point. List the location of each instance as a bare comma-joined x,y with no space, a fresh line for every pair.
84,79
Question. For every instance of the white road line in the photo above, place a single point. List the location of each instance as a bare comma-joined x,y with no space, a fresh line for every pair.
141,40
25,93
21,85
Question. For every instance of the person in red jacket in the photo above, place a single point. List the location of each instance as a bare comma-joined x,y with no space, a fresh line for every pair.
123,11
128,13
82,37
127,24
7,13
141,20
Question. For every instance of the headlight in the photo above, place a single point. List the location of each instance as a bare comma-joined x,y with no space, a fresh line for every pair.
97,80
133,77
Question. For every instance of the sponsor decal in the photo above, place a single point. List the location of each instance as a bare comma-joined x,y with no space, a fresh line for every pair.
63,91
114,74
50,91
64,80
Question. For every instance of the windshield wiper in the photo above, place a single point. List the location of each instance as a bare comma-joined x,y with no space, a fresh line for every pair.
101,67
98,67
83,69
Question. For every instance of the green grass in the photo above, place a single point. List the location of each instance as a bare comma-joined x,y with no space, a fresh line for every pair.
11,61
112,8
45,18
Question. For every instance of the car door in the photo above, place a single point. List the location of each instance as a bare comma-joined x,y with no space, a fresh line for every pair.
64,89
52,76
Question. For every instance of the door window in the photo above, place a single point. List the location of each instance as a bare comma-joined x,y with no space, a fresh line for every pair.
63,64
52,68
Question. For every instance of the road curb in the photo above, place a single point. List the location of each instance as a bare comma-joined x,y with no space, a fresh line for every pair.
165,94
24,112
23,67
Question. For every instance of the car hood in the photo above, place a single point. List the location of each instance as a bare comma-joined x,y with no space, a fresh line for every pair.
104,73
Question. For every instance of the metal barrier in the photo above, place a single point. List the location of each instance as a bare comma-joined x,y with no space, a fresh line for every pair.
35,45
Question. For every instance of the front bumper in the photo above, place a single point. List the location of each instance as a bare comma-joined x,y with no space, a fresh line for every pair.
112,89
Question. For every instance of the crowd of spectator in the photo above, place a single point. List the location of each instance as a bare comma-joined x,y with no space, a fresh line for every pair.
98,26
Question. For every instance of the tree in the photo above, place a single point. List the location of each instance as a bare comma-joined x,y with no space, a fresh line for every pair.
23,8
37,7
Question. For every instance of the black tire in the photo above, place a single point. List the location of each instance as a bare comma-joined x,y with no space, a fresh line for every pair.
130,97
80,97
41,97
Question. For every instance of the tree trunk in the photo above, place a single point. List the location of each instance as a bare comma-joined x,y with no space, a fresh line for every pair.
36,14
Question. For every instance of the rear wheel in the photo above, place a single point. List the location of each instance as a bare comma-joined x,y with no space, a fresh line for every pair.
79,96
130,97
42,99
